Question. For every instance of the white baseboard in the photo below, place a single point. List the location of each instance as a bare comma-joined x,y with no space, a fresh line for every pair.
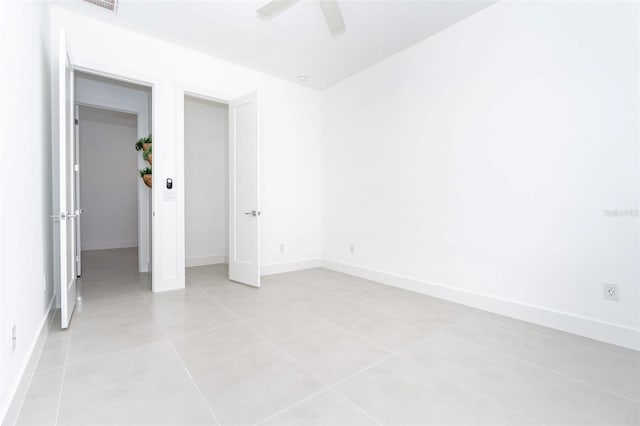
297,265
19,391
206,260
107,245
588,327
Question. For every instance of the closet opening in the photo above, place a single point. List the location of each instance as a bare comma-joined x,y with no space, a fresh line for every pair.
206,186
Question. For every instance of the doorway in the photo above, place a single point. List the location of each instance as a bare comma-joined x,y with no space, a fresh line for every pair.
113,231
114,201
206,183
243,178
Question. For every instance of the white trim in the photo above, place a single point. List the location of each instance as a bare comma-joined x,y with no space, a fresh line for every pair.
206,260
18,391
118,71
296,265
588,327
106,245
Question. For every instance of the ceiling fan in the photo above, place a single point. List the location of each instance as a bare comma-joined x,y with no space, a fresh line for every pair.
330,10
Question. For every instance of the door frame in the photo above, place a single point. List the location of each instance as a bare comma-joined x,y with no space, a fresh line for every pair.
144,193
185,89
180,125
146,228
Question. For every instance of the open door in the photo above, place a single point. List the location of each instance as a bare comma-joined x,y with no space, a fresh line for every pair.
244,191
66,183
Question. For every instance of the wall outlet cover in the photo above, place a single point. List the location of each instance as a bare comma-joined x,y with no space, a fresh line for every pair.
611,291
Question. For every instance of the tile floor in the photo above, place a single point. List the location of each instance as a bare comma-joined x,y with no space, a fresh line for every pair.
312,347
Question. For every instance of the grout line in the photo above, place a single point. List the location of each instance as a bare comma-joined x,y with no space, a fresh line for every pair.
277,413
248,325
467,388
530,363
550,370
328,386
354,334
184,366
332,387
357,407
550,334
281,350
429,335
64,373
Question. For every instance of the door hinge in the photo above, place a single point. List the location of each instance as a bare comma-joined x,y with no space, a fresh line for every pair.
76,168
76,121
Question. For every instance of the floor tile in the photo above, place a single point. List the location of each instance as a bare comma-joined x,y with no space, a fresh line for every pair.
146,385
265,355
327,408
414,308
564,356
383,329
54,352
249,301
41,403
399,392
107,329
244,377
208,276
144,281
325,349
535,392
108,292
188,310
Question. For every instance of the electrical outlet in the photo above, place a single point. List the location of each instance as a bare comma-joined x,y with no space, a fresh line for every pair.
611,291
281,247
14,338
352,248
44,283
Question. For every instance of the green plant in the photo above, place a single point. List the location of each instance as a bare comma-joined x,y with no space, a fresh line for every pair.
142,141
146,152
146,171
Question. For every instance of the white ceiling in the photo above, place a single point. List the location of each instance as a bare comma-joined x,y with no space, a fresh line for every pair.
295,42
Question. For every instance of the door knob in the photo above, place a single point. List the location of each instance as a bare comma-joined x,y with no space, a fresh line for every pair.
253,213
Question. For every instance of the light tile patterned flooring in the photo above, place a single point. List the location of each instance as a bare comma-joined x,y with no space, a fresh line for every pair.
312,347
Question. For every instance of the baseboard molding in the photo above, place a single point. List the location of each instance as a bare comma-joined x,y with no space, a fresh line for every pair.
588,327
206,260
297,265
109,245
19,392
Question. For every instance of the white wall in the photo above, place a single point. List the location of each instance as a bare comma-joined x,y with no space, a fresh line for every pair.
25,204
290,139
205,181
108,179
479,164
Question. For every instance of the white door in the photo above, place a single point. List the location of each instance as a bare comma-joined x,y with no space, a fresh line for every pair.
244,191
66,186
76,169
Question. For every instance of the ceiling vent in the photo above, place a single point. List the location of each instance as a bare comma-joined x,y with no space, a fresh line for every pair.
107,4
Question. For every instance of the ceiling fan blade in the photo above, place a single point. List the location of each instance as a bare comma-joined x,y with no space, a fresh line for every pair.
274,7
333,16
